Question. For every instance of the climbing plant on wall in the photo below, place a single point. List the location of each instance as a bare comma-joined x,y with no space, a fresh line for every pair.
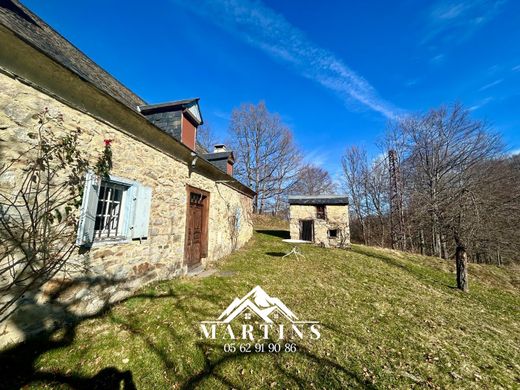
39,215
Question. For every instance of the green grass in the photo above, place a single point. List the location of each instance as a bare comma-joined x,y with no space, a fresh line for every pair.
388,320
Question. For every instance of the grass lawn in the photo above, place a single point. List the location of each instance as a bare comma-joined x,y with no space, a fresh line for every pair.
388,320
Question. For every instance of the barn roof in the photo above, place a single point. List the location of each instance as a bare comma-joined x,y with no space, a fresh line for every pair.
318,200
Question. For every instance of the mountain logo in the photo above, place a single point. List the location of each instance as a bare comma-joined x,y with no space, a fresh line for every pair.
268,309
274,316
260,303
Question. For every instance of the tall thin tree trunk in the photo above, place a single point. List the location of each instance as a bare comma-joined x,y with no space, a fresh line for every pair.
382,234
436,239
423,244
444,249
461,259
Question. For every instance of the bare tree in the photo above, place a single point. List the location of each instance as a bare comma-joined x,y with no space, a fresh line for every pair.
206,137
267,157
497,238
38,218
459,192
444,148
313,180
367,184
376,185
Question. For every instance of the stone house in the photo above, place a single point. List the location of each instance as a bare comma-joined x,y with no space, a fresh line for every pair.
321,219
169,205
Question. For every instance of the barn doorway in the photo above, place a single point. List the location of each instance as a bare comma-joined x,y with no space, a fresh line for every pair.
307,230
196,246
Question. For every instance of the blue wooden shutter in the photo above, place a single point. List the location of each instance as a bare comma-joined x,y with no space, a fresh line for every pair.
87,215
143,202
131,197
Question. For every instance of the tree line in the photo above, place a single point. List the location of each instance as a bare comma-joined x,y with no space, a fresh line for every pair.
268,160
457,189
441,186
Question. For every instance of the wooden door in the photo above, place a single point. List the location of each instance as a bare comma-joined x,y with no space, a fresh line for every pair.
196,227
307,230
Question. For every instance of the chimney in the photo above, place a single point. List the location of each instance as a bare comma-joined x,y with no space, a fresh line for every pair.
222,158
180,119
218,148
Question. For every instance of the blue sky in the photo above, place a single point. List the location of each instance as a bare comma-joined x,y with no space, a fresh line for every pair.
336,71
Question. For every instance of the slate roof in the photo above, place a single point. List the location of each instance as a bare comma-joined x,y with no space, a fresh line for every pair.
218,155
219,159
317,200
35,32
38,34
168,116
167,105
168,121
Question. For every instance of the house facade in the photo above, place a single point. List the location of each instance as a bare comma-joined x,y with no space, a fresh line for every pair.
168,205
321,219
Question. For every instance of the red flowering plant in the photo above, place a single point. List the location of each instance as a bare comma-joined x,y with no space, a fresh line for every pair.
104,164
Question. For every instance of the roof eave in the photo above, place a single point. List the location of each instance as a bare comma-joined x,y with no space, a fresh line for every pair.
54,79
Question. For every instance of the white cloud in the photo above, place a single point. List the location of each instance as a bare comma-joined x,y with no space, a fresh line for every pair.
481,103
456,21
269,31
438,59
516,68
316,157
222,114
490,85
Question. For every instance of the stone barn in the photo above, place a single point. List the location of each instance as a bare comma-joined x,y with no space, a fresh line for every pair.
167,207
321,219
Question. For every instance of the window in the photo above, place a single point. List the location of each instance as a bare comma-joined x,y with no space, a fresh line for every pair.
196,198
110,211
113,209
320,212
333,233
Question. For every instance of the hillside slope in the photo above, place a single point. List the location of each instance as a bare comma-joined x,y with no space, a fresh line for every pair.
387,320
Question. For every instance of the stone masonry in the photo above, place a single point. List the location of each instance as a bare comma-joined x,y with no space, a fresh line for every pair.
336,218
115,270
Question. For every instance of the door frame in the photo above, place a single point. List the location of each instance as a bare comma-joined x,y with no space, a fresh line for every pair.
205,218
301,228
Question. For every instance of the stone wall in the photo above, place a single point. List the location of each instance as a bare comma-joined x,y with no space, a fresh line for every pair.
336,217
114,271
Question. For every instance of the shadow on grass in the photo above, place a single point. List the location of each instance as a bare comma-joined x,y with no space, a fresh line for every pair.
18,363
275,254
276,233
18,367
327,367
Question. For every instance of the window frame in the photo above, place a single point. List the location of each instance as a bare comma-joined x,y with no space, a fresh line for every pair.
321,214
129,196
120,232
135,209
333,230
